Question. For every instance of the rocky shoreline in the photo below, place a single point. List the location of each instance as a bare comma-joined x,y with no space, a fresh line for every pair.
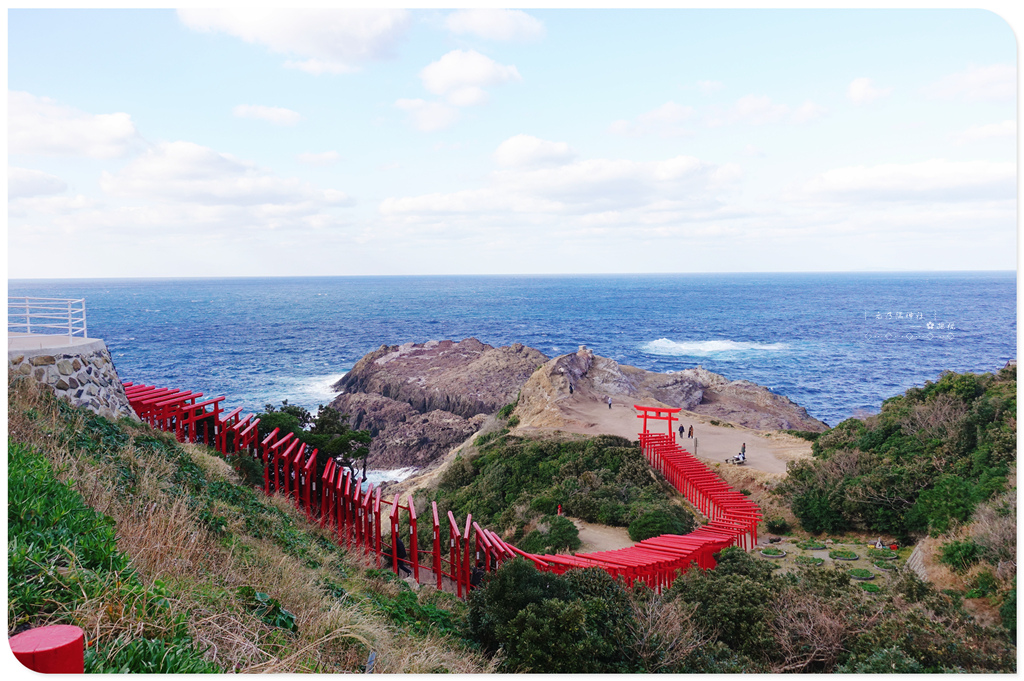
419,400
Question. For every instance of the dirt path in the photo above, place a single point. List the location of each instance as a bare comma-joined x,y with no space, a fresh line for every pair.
767,452
601,537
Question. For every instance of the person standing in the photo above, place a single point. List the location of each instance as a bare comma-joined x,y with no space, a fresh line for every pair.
402,555
691,432
609,402
743,450
682,431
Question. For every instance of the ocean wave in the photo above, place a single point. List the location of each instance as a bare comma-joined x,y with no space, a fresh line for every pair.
671,348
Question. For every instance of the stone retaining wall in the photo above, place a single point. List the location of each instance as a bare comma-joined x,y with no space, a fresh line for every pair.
84,374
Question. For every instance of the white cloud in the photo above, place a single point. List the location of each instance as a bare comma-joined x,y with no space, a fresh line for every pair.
761,110
710,85
523,151
428,116
807,112
324,158
39,125
22,183
602,190
863,91
187,173
976,133
936,180
461,76
271,114
332,40
495,24
751,150
997,82
666,121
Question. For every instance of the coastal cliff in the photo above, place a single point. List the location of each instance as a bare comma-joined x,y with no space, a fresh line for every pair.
545,398
420,399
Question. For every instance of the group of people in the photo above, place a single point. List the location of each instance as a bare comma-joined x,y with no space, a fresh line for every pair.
741,457
682,431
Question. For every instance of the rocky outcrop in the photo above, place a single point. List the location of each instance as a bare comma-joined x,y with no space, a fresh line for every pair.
465,378
403,436
421,399
696,390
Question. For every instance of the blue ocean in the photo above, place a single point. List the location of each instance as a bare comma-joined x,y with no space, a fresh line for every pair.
837,344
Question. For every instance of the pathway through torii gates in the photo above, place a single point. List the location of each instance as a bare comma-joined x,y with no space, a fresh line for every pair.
358,517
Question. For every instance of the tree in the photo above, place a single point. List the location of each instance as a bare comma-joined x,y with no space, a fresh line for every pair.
328,433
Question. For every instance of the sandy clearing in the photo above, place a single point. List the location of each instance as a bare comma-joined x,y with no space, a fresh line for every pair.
601,537
766,451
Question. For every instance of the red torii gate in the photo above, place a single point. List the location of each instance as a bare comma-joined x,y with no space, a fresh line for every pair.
657,414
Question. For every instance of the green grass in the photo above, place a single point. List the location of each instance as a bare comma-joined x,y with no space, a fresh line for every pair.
61,553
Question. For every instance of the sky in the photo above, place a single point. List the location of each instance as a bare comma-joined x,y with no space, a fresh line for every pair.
206,143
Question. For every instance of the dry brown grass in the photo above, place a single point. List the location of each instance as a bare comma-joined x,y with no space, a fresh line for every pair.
166,541
665,632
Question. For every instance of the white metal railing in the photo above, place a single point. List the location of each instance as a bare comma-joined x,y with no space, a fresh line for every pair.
46,316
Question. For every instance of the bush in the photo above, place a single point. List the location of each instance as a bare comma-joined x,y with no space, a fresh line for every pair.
555,534
544,623
1008,612
960,555
659,521
885,661
777,525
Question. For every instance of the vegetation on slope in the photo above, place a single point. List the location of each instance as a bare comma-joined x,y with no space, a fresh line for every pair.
739,617
206,574
939,460
511,484
923,463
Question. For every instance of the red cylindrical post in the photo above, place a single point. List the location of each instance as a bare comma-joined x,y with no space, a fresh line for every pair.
56,649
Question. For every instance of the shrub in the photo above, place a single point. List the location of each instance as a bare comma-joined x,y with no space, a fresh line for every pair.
983,584
960,555
545,505
513,421
1008,612
777,525
661,520
556,533
885,661
544,623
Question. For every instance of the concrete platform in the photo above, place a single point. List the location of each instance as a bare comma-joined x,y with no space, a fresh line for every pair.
22,342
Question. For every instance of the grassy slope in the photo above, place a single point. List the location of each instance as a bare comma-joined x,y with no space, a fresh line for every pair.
189,540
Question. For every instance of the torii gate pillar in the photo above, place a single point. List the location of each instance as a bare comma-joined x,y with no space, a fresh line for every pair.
657,414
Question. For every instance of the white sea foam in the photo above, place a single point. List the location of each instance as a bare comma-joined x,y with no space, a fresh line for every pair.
307,391
671,348
396,474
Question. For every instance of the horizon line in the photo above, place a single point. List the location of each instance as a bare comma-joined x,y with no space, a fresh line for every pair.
535,274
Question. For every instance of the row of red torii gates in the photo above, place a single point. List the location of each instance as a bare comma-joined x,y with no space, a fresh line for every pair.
357,517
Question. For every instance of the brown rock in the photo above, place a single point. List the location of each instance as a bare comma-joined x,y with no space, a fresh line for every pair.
696,390
43,360
401,435
465,378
